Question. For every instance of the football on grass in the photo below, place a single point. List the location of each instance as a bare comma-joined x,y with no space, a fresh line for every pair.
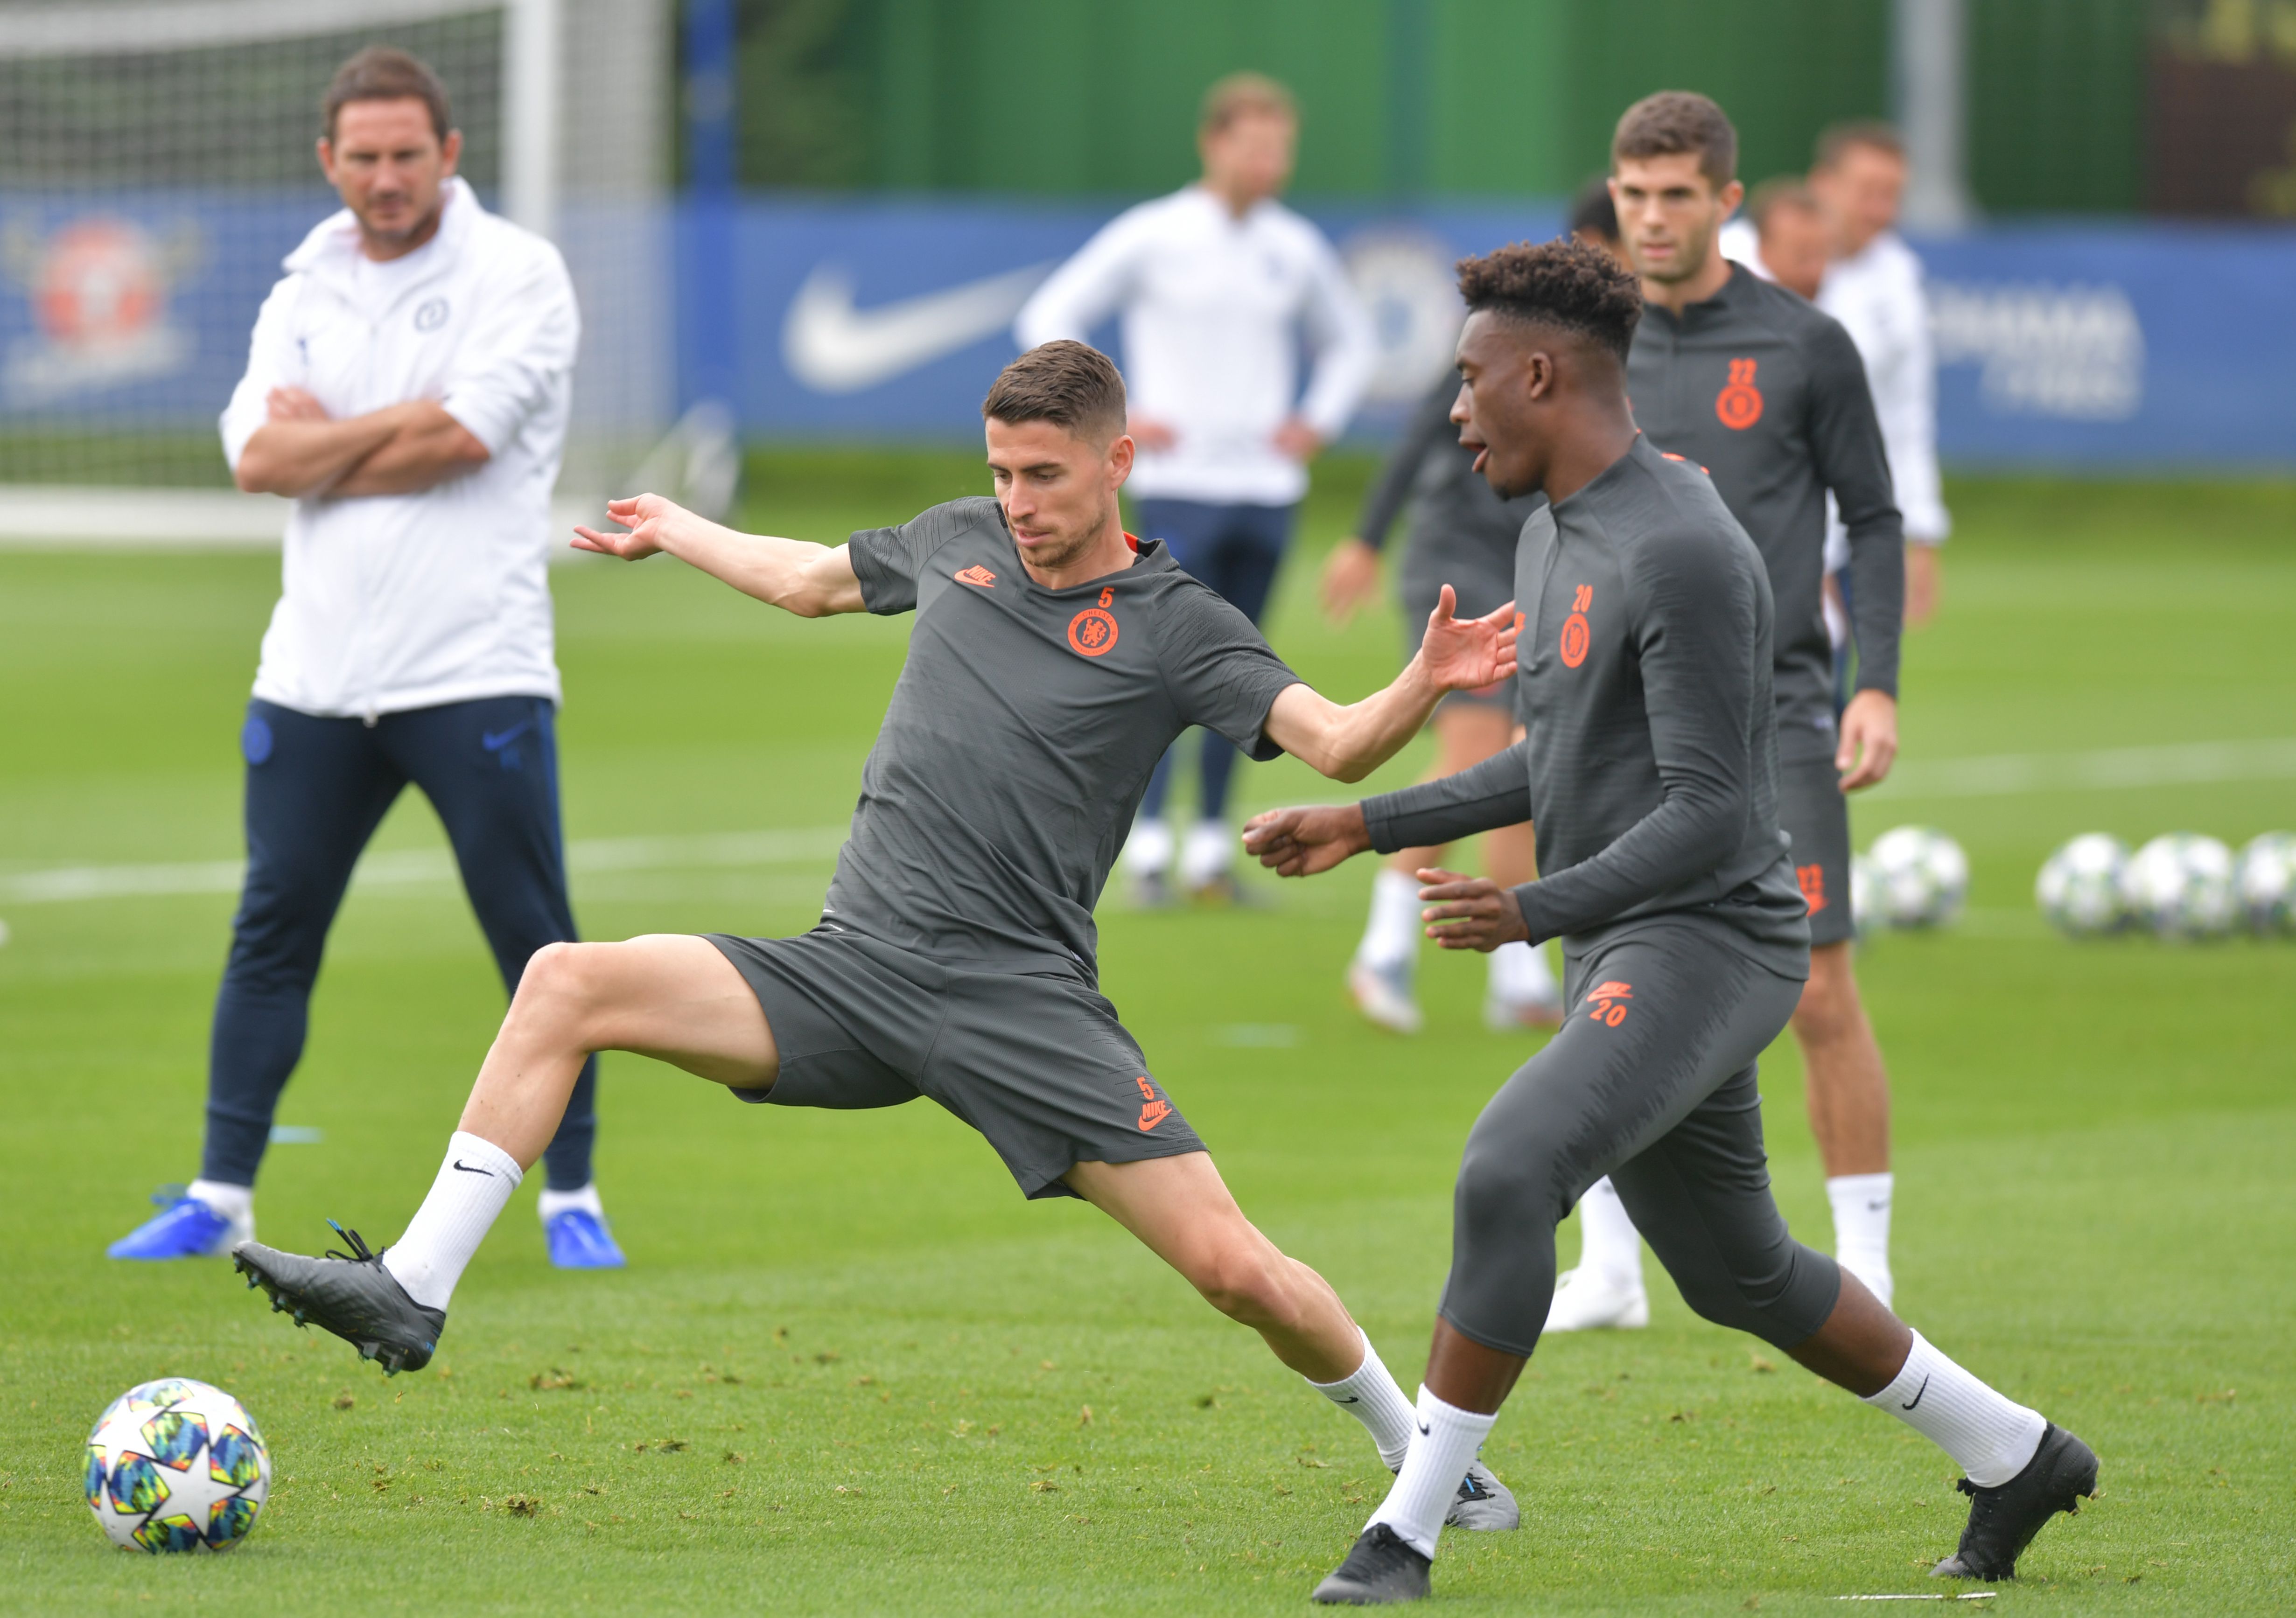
1919,877
176,1465
2080,886
2264,883
2180,885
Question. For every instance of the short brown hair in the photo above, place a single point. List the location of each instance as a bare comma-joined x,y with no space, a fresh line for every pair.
1072,384
1675,121
1834,144
1783,190
382,72
1566,283
1241,95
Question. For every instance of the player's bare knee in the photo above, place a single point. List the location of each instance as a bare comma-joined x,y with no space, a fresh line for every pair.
1829,1007
1246,1283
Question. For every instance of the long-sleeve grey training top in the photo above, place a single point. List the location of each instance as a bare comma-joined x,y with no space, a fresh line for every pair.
1650,761
1767,394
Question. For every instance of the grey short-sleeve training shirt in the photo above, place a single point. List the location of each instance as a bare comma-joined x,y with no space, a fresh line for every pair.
1022,734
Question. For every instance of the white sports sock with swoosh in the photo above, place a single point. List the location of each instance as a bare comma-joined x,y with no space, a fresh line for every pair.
1447,1442
1989,1433
1370,1395
474,1187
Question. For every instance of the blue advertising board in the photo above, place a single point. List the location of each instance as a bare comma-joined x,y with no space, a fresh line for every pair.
2136,345
2133,345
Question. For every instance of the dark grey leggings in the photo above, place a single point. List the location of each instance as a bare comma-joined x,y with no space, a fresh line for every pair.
1652,1081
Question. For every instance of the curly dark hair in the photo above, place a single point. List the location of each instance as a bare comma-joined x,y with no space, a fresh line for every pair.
1563,283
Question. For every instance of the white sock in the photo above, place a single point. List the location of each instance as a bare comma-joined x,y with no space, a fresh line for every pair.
1205,854
1520,976
235,1203
1370,1395
1991,1435
473,1186
551,1204
1392,936
1148,851
1608,1242
1861,1229
1449,1438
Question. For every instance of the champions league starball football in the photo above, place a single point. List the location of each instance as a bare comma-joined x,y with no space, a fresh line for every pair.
2080,886
2264,883
2180,885
1919,877
176,1465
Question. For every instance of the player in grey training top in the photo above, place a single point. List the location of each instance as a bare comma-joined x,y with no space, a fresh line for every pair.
1053,661
1648,766
1768,394
1463,535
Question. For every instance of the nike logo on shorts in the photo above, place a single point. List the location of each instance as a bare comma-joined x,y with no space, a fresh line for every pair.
495,741
467,1169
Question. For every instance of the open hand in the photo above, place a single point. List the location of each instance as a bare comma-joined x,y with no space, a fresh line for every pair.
1350,578
1869,740
1469,912
1304,842
651,520
1465,654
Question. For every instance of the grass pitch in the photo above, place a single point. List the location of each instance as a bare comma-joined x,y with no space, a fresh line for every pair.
850,1370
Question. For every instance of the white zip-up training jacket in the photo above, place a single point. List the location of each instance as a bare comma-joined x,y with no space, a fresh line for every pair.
1214,308
398,602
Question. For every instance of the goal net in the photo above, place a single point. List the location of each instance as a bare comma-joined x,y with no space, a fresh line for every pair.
155,164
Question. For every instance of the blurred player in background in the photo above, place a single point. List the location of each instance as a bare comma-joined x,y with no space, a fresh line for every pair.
1873,287
1768,394
1463,536
1871,282
408,387
1217,285
1791,238
1594,217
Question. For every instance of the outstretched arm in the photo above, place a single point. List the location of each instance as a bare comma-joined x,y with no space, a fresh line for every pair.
1348,743
812,581
1303,842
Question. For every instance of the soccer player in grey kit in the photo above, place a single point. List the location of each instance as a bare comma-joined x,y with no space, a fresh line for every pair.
1053,660
1768,394
1649,767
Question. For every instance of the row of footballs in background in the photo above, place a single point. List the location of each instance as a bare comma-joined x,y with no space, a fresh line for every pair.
2180,885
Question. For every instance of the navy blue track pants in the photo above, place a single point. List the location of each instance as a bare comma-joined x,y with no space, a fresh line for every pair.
1236,549
316,788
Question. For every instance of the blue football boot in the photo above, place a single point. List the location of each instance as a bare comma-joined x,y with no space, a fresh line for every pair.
184,1228
580,1240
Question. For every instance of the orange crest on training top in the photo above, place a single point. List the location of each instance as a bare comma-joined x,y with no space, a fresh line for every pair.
1576,635
1739,405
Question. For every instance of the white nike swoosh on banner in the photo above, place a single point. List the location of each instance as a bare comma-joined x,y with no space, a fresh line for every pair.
834,348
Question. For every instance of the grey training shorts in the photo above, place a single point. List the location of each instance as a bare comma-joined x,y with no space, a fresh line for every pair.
1813,811
1036,1061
